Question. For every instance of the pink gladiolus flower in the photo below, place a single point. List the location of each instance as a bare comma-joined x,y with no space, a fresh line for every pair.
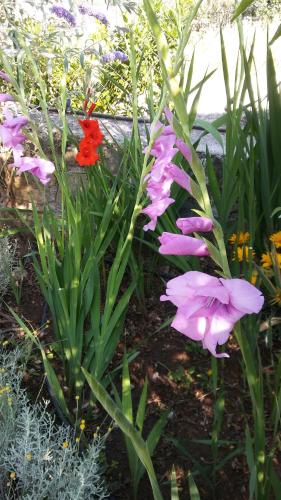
159,190
6,97
10,132
184,149
180,177
180,144
165,142
4,76
209,307
164,173
177,244
36,166
14,122
159,187
195,224
155,210
10,137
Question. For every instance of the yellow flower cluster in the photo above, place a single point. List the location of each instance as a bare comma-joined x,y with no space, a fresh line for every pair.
242,251
239,238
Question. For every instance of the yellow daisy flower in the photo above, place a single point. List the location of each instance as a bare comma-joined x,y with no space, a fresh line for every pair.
242,253
267,260
276,239
239,238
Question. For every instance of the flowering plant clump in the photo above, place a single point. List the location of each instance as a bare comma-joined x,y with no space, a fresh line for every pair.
207,307
93,137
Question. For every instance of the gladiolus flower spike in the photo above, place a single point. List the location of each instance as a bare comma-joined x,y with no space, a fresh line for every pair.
87,154
207,307
162,175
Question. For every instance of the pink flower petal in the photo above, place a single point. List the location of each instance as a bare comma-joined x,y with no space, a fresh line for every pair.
180,177
155,210
243,296
4,76
6,97
178,244
37,166
184,149
195,224
194,328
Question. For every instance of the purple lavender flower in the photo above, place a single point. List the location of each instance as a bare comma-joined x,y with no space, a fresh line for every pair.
87,11
64,14
116,55
101,17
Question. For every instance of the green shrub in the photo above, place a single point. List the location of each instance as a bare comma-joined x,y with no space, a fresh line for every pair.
40,459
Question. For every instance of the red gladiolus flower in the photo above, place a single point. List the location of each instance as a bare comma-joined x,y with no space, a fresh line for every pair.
93,137
92,131
87,154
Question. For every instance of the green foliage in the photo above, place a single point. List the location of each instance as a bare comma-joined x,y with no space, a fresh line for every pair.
125,404
114,87
54,64
137,443
70,269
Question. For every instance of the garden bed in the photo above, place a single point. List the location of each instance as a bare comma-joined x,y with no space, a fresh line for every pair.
179,375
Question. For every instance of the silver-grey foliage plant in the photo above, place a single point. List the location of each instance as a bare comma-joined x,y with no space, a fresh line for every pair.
40,460
6,262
